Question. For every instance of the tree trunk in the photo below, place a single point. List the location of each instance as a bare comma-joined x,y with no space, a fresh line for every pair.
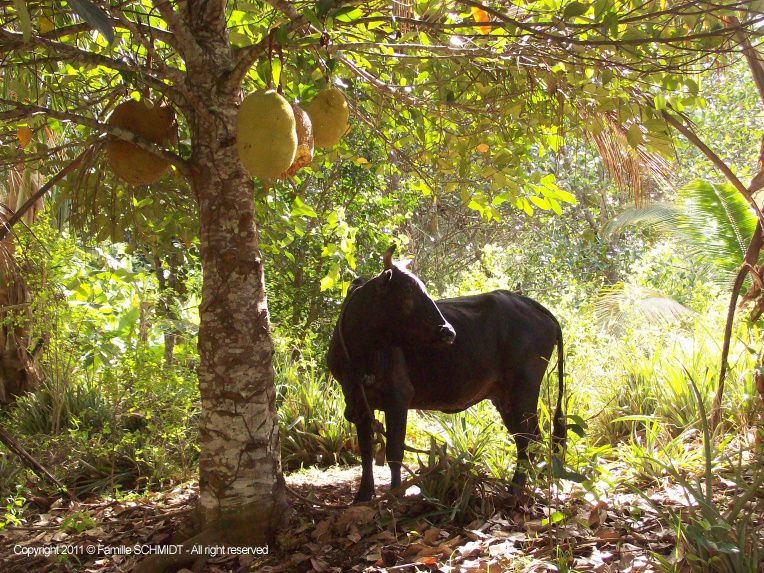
242,490
170,289
19,373
758,378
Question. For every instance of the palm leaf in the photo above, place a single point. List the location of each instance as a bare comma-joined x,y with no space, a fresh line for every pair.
618,304
713,221
662,216
717,224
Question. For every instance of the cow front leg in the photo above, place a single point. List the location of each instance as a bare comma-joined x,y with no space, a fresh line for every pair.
366,445
395,420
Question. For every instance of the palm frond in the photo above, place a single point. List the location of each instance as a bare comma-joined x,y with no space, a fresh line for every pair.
717,223
629,166
662,216
619,304
713,221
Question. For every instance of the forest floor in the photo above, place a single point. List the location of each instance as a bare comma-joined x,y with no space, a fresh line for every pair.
624,532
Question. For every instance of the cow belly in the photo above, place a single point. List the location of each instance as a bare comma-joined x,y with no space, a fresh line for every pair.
449,397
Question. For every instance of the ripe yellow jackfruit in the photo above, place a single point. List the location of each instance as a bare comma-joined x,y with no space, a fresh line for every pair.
156,124
266,135
329,115
304,154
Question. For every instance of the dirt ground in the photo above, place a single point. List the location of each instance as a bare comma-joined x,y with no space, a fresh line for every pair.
623,533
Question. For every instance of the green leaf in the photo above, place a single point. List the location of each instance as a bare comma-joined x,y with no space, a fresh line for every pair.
523,204
692,86
565,196
634,135
422,187
574,9
348,14
327,282
713,220
94,16
143,202
561,472
576,429
540,202
276,71
300,209
556,517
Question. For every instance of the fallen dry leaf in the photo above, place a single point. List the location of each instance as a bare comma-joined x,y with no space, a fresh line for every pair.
322,530
607,534
356,515
431,535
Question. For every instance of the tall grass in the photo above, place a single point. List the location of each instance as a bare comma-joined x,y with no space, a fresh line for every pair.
641,378
310,405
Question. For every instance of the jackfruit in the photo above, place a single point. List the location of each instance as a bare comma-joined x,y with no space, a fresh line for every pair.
153,123
266,134
329,115
304,153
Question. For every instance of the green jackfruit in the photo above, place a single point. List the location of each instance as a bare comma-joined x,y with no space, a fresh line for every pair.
266,135
329,115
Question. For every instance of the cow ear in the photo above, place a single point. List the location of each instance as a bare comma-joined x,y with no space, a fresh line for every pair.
387,277
387,258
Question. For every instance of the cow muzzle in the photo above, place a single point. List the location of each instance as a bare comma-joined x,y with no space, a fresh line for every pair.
447,334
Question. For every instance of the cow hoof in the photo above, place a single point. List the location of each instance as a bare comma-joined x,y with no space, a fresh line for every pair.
517,486
363,496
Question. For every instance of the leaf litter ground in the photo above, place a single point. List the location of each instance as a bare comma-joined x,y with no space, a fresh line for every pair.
622,532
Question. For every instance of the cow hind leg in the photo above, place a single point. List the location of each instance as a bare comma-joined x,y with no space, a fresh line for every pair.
518,409
366,445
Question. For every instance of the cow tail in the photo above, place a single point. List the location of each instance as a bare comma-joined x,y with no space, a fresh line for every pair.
559,433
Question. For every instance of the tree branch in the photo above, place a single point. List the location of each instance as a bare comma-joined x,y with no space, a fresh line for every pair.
716,160
752,57
186,43
247,56
749,262
12,41
244,59
21,110
32,463
144,35
754,249
534,29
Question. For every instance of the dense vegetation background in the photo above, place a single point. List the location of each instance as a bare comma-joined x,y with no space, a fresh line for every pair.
639,275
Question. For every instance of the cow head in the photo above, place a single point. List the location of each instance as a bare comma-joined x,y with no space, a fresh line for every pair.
406,313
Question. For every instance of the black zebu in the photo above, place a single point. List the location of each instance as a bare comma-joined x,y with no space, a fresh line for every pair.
410,352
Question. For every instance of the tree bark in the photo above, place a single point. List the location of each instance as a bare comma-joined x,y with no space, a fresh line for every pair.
242,490
240,476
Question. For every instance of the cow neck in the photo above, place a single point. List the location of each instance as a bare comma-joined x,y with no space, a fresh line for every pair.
356,337
341,321
343,344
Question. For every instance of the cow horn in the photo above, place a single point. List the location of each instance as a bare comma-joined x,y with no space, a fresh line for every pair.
387,258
